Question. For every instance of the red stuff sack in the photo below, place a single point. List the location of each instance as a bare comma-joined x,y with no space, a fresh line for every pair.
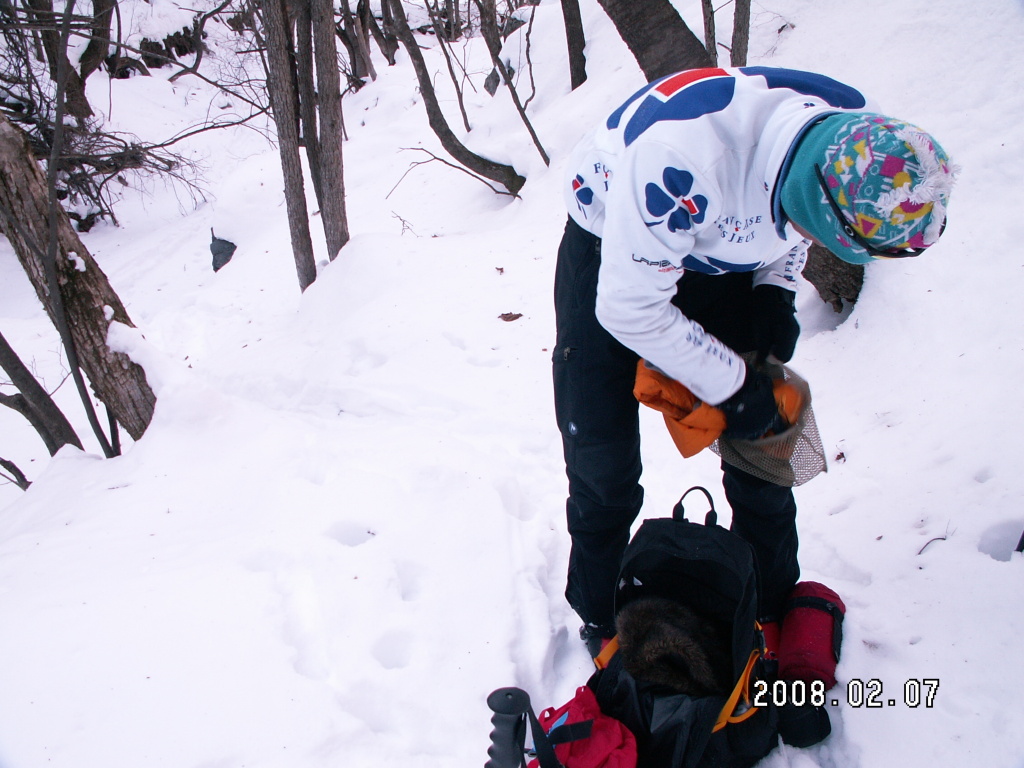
583,736
812,634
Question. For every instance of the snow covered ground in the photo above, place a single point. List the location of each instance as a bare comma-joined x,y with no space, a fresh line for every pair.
344,527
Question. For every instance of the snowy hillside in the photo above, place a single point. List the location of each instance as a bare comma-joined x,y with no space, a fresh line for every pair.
345,527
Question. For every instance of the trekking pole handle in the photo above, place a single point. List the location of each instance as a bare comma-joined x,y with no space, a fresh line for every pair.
509,706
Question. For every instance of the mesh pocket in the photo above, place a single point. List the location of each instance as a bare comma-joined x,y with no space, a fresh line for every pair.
789,459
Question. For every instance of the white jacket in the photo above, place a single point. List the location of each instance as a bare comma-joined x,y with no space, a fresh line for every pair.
683,177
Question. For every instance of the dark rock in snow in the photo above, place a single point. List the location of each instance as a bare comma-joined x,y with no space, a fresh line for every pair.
221,249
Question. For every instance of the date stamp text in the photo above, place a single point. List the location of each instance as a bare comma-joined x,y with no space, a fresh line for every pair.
859,693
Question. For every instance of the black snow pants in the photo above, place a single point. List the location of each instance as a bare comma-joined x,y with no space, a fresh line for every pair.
598,418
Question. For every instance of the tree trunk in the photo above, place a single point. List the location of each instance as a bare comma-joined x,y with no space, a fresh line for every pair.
362,35
385,37
332,179
99,44
835,280
577,41
356,40
75,102
454,20
489,26
310,138
34,403
740,33
710,36
281,88
657,36
438,22
503,174
89,301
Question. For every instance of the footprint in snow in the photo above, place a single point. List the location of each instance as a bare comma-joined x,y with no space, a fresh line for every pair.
393,649
1000,540
350,534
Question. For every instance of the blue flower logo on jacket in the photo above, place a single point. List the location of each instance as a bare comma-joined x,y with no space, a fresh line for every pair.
584,194
671,202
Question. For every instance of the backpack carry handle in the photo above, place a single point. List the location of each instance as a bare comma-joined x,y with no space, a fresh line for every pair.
711,518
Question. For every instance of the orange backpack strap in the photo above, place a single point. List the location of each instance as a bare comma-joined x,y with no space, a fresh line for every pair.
742,688
605,656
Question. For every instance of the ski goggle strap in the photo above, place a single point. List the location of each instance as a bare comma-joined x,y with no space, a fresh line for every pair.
858,239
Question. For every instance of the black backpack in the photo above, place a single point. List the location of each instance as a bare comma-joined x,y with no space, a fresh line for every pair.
711,571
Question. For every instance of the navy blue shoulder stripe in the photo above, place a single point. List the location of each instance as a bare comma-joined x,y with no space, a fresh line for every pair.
833,92
691,94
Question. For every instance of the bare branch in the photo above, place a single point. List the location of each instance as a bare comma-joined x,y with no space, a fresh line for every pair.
16,476
197,37
406,226
434,157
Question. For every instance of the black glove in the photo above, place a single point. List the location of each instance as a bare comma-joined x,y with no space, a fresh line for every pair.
752,411
775,326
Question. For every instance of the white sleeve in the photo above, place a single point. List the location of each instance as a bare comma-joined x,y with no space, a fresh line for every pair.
646,237
783,271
